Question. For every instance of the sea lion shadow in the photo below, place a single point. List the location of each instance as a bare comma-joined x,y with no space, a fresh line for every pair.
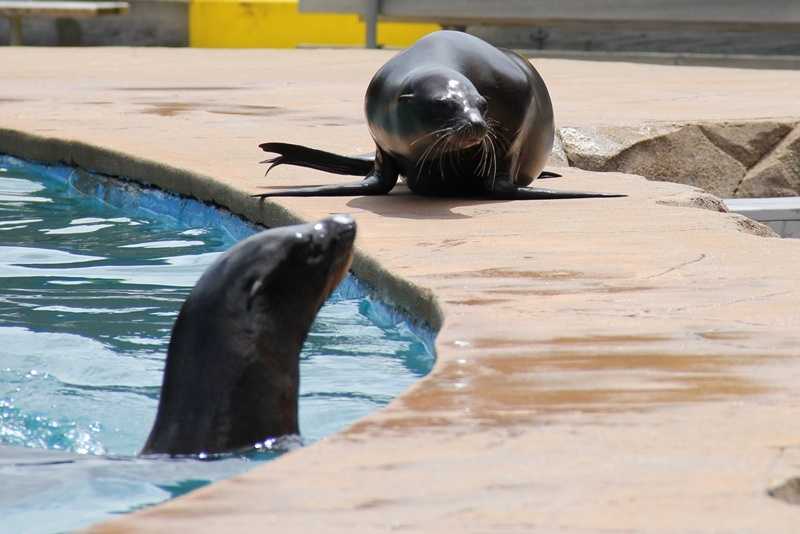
402,204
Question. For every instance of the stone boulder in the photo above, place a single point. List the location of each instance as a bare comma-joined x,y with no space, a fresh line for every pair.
747,159
778,173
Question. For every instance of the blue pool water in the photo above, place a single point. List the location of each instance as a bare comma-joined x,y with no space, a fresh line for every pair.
93,272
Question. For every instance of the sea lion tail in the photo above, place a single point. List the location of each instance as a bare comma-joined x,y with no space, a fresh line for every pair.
289,154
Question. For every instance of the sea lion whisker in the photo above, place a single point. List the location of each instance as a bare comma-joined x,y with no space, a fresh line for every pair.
502,142
487,156
484,157
494,123
482,154
422,138
445,152
441,134
494,162
427,152
440,157
430,150
452,160
436,151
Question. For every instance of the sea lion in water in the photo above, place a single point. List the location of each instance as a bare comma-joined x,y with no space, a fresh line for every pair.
232,372
456,117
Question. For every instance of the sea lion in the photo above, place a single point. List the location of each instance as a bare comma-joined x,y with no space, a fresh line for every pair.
232,372
456,117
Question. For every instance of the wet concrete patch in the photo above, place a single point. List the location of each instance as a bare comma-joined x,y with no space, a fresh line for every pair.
328,120
182,88
607,339
496,391
603,289
477,302
170,109
725,335
512,273
262,111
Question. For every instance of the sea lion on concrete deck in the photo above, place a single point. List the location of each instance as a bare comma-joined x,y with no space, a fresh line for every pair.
232,371
456,117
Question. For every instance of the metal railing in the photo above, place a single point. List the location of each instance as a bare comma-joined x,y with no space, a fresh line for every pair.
711,15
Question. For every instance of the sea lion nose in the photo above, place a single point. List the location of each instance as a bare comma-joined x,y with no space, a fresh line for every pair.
343,219
477,124
344,225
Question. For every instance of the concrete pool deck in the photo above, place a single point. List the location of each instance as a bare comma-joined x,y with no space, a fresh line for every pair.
616,365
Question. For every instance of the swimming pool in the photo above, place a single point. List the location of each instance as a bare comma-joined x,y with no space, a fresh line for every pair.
92,274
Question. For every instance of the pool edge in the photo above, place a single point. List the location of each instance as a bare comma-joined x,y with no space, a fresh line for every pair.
418,302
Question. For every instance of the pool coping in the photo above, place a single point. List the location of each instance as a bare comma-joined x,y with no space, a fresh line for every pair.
419,303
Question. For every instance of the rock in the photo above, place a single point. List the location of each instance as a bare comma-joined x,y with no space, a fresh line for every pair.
593,148
750,226
778,174
671,154
558,158
745,160
747,142
695,199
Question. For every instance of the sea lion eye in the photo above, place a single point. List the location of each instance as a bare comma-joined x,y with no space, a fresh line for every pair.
482,105
444,106
406,97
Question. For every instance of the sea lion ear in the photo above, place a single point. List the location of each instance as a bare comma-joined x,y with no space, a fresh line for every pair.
406,97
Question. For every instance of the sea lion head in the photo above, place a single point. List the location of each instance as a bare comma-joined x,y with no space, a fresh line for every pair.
232,371
441,111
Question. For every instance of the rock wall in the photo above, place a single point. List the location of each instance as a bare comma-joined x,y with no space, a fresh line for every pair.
750,159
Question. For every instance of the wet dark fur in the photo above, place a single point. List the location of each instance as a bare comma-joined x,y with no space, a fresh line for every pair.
232,371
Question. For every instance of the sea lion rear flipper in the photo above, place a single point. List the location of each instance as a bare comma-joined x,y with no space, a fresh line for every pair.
289,154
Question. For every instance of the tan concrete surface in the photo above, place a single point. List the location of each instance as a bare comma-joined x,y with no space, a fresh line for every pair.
617,365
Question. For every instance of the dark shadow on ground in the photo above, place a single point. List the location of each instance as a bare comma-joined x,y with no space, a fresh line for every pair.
403,204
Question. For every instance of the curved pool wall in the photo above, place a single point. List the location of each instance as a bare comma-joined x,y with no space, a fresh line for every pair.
145,482
129,194
384,285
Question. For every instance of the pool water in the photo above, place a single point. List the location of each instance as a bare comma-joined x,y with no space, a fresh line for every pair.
93,272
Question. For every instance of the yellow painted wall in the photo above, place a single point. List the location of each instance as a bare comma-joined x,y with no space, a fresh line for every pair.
279,24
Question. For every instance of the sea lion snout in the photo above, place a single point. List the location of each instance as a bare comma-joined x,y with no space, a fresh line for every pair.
473,130
343,226
336,231
334,237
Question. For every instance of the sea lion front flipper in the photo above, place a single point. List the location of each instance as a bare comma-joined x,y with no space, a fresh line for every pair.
535,193
504,190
